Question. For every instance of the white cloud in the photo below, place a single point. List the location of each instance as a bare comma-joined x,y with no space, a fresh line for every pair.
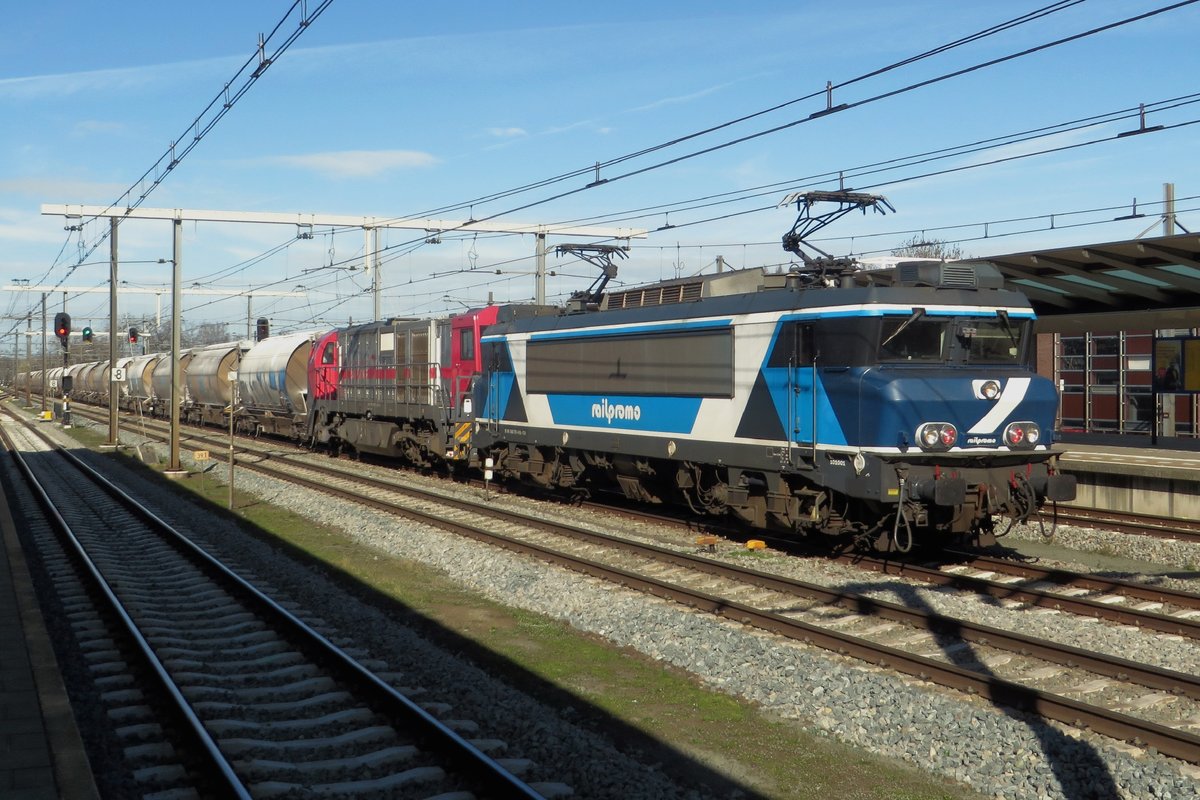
680,99
506,133
20,226
356,163
90,127
58,190
121,80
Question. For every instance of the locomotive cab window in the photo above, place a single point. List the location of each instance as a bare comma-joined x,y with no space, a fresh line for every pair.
991,341
328,353
466,344
793,345
956,340
913,338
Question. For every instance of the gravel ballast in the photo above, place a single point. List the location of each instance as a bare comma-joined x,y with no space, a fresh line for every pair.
997,752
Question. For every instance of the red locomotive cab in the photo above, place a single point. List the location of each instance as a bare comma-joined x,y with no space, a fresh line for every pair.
465,357
323,368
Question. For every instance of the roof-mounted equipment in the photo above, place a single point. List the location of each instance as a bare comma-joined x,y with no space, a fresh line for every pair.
808,223
601,256
949,275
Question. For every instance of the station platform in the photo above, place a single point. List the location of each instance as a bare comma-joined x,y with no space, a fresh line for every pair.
1135,476
41,752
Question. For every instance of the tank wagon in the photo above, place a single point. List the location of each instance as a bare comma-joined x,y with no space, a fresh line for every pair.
209,385
273,386
160,384
139,388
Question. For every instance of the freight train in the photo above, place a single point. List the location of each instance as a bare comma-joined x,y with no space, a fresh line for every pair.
888,408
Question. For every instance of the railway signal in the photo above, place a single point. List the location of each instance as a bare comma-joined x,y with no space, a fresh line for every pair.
62,327
133,335
264,329
86,333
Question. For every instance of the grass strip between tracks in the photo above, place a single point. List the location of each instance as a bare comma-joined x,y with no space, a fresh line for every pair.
612,689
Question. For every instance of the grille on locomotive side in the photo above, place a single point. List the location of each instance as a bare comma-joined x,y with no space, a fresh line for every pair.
950,276
656,295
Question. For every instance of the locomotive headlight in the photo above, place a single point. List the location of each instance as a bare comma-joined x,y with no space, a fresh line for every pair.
1022,435
937,436
986,389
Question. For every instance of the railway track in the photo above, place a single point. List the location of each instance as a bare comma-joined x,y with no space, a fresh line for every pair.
260,703
1013,670
1141,524
1155,608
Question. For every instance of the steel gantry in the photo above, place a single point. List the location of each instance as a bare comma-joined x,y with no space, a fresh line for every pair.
370,226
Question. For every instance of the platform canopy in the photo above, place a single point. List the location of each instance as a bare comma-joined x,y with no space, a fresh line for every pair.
1137,284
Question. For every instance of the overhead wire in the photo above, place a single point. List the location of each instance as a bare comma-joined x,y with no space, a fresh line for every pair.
978,35
1003,26
926,157
818,115
921,158
827,112
968,148
221,104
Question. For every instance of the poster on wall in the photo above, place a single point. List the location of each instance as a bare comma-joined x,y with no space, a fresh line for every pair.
1177,365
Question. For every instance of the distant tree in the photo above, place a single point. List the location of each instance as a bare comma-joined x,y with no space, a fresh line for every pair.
199,334
205,333
920,247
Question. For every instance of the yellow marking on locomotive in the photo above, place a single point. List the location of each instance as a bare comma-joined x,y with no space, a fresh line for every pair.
463,433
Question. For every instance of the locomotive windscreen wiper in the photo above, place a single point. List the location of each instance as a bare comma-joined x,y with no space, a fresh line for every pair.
916,315
1003,315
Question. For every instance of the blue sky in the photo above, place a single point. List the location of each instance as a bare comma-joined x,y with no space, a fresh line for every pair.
390,110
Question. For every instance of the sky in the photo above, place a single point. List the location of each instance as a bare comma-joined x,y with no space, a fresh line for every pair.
408,111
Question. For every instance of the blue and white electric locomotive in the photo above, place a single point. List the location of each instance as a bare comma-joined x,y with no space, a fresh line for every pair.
894,406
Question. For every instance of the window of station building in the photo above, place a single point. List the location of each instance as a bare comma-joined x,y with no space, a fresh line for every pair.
1139,412
1106,345
1074,353
1105,384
